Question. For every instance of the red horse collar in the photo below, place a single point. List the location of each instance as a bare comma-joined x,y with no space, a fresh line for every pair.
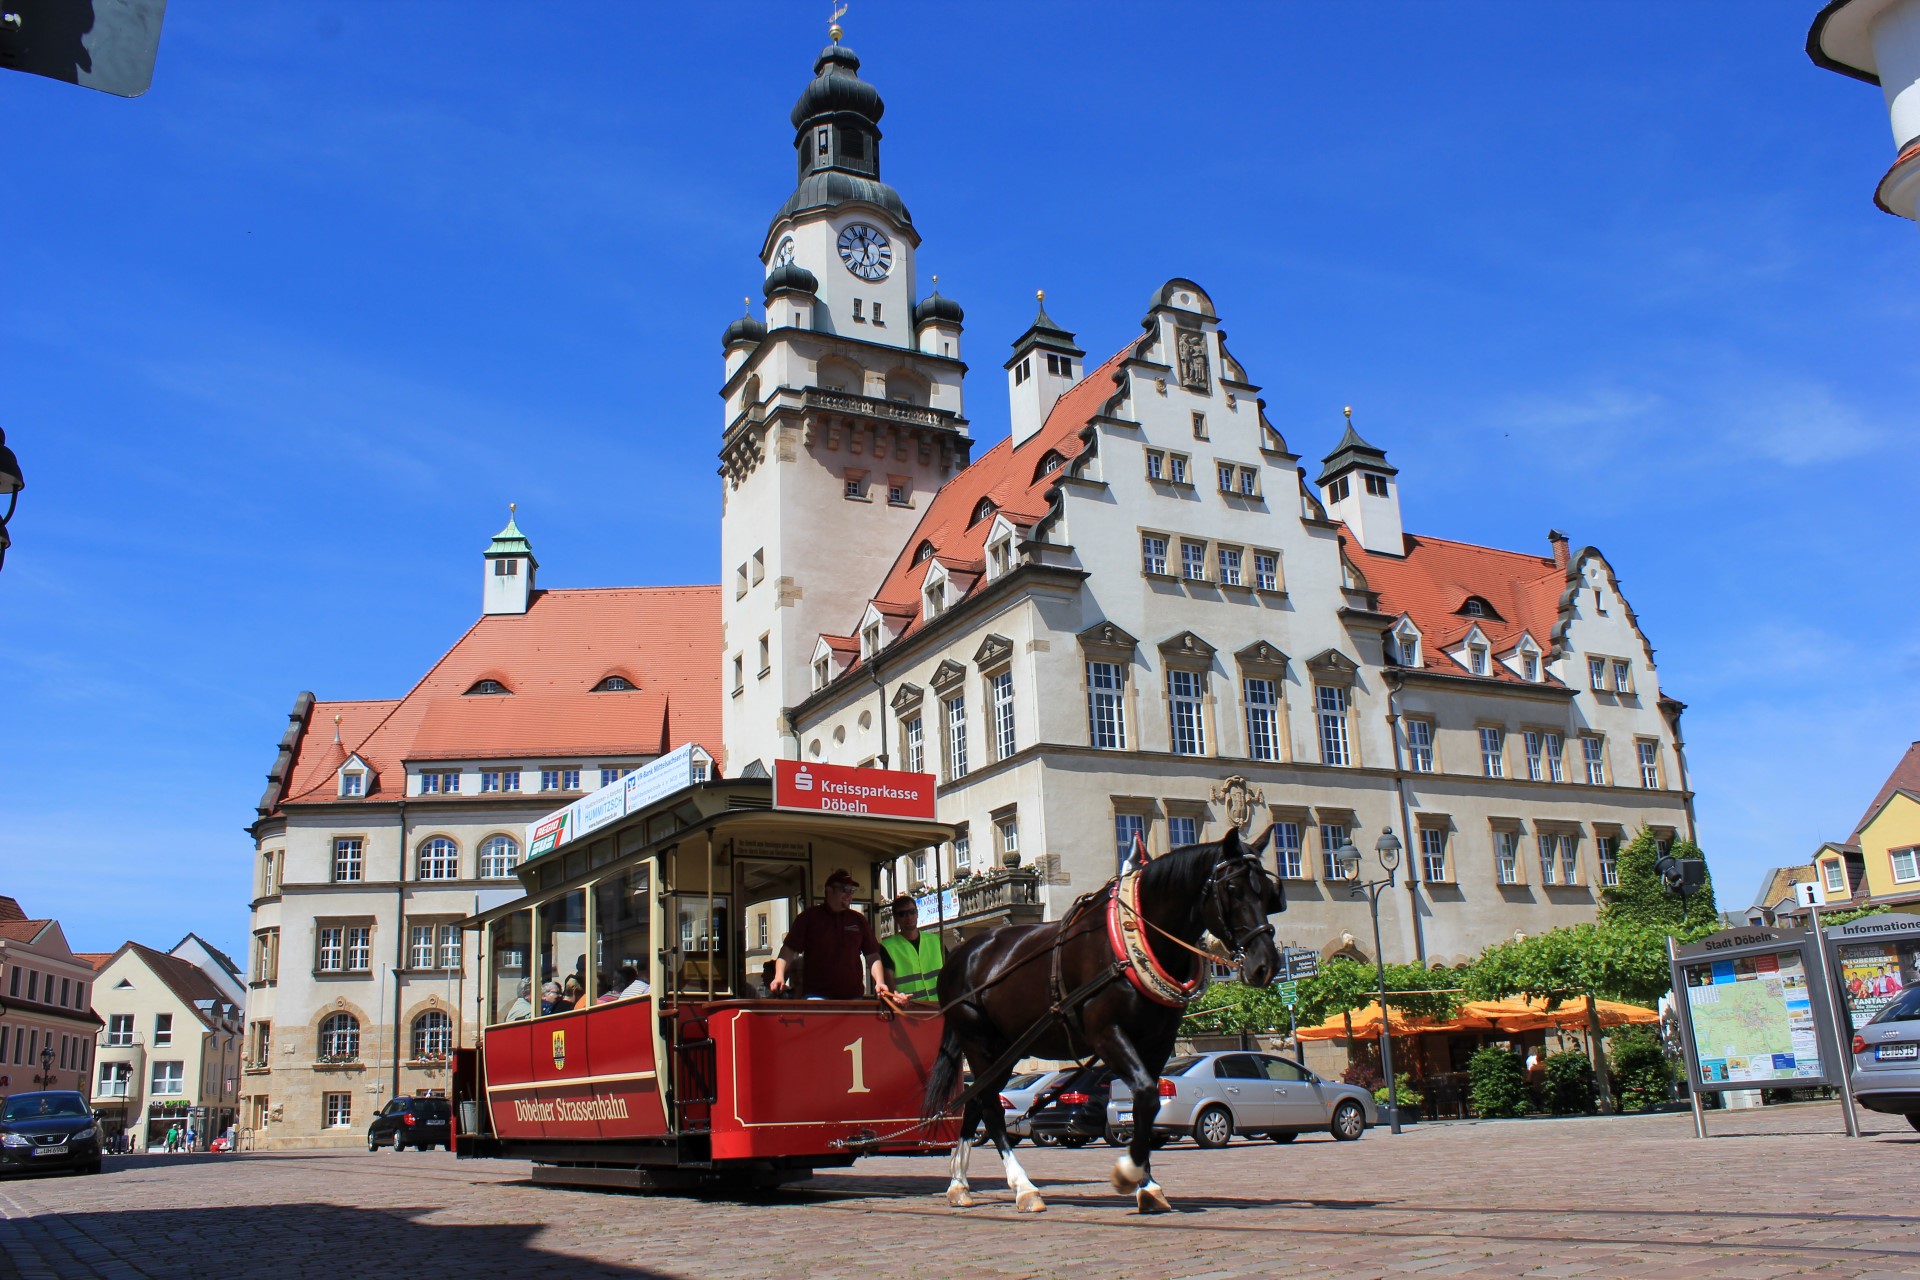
1126,933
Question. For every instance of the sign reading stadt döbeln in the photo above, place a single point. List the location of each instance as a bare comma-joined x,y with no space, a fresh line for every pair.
835,788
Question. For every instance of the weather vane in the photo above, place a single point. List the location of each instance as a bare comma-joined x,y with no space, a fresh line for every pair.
833,23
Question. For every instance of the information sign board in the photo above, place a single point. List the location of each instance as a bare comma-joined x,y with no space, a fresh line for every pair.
1753,1011
1301,963
1875,958
834,788
1289,993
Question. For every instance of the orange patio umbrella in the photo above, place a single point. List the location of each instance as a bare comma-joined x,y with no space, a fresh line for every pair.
1366,1025
1515,1014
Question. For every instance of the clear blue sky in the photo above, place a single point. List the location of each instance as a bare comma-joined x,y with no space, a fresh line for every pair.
280,340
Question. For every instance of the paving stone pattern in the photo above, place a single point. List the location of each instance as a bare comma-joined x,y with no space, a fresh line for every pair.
1778,1192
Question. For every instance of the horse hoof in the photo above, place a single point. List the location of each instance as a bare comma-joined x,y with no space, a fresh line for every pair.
1030,1202
1152,1200
959,1198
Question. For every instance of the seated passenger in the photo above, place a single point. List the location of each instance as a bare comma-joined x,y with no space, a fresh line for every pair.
570,995
631,983
834,938
522,1008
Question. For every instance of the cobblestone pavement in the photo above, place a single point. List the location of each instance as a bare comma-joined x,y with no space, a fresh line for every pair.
1778,1192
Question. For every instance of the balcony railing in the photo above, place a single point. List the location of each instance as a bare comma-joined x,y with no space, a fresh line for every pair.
1000,891
871,407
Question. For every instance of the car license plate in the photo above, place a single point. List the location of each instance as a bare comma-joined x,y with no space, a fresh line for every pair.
1126,1117
1884,1052
58,1149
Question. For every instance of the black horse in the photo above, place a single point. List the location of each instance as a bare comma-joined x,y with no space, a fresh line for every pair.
998,987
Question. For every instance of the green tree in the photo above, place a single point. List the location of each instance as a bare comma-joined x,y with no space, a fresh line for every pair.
1233,1008
1344,984
1640,899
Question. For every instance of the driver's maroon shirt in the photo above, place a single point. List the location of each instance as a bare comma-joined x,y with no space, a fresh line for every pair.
832,942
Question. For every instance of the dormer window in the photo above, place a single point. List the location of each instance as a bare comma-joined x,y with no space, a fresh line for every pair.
923,553
1404,644
822,672
870,641
1477,659
614,684
1530,666
487,686
999,557
1050,462
984,511
353,783
1475,607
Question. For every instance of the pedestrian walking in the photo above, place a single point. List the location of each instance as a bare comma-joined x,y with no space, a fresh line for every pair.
193,1137
233,1139
173,1138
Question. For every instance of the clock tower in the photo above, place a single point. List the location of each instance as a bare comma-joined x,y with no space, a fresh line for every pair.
843,413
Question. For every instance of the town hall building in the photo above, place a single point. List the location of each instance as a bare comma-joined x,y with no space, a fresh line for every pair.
1139,615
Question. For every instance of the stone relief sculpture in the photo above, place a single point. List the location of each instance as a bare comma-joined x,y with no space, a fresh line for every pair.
1191,348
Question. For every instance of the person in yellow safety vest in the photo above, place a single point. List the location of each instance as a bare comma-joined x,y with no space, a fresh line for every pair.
912,958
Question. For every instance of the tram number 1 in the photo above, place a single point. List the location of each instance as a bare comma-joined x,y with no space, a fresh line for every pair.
857,1051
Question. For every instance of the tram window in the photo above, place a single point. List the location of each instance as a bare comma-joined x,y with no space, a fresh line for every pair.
563,943
773,893
509,939
622,928
701,950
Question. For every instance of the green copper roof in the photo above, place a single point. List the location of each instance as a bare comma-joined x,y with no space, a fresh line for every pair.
1353,452
510,542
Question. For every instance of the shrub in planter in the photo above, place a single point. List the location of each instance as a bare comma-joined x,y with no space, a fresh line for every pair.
1642,1076
1497,1084
1569,1084
1404,1096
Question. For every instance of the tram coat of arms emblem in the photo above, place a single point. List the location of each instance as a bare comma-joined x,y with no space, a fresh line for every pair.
559,1050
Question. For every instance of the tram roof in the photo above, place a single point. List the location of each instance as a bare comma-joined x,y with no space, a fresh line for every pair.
731,808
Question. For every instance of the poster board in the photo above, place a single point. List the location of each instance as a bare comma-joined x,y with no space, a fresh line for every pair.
1874,959
1754,1011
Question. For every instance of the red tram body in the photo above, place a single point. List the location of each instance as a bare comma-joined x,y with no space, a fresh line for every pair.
704,1079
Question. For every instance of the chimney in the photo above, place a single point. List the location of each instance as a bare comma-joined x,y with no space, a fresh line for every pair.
1559,541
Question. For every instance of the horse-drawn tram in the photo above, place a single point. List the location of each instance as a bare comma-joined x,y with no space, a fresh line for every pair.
674,1066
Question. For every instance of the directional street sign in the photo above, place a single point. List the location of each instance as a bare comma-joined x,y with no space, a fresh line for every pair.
1289,993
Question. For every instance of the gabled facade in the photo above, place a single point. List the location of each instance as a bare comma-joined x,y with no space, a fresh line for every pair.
387,821
170,1047
47,1023
1135,616
1880,862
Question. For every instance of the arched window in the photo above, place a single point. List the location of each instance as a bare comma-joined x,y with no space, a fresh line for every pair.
340,1038
432,1036
984,511
499,855
923,552
437,859
614,684
487,686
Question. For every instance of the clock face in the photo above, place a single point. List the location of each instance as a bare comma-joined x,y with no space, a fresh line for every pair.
784,254
866,251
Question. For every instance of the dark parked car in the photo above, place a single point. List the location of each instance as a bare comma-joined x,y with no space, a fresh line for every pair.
1078,1114
412,1122
48,1133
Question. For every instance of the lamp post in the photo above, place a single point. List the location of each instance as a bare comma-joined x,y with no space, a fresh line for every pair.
11,484
1388,849
46,1068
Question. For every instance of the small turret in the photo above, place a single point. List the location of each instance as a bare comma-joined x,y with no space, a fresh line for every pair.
510,569
1045,363
1358,487
937,323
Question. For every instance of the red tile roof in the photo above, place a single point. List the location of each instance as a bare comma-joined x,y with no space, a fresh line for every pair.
1007,475
1433,580
184,978
10,909
1905,777
98,959
666,640
22,930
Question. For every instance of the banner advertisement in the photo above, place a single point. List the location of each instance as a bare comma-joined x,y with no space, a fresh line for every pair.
650,783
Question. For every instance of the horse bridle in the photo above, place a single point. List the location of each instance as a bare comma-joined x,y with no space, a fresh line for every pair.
1250,867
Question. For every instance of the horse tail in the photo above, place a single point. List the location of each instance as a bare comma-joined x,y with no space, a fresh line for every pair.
943,1082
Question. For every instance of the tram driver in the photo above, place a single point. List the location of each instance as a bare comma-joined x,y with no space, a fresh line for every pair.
834,938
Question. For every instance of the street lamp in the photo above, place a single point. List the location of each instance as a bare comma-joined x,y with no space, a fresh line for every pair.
1388,849
46,1068
11,484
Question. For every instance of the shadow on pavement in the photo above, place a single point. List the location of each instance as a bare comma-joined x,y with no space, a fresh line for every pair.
279,1240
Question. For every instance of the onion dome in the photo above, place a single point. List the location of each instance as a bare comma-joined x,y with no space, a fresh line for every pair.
790,277
935,307
837,86
747,329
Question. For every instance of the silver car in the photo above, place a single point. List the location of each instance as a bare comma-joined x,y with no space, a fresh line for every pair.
1886,1059
1213,1096
1017,1098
